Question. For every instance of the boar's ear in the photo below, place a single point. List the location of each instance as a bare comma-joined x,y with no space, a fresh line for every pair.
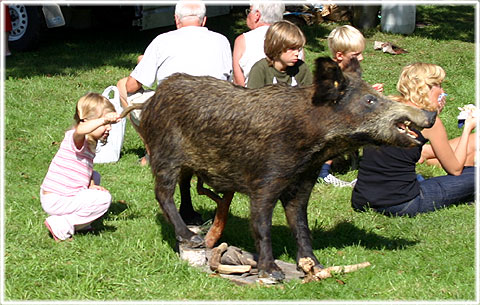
353,67
329,81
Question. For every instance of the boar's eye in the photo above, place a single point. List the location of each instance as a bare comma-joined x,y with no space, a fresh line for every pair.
370,99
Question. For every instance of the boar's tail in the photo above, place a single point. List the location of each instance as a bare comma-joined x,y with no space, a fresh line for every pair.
127,110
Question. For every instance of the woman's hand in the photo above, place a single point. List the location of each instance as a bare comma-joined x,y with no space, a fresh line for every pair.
470,122
442,100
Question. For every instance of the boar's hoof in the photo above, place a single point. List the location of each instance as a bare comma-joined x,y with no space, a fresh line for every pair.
196,241
275,276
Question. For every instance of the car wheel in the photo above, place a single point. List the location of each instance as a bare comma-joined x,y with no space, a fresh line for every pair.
27,25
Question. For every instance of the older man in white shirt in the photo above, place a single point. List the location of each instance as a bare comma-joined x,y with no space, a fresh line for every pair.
191,49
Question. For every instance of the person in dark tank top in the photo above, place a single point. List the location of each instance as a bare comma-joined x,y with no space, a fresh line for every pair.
387,181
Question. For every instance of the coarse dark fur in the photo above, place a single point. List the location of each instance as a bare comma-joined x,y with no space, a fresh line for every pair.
267,143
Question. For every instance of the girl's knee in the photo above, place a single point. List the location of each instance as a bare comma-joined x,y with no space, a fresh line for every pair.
102,201
107,198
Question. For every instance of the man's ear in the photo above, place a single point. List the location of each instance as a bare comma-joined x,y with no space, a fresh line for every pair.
329,82
177,21
257,15
204,21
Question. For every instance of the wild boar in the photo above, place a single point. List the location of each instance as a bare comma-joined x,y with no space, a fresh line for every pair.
267,143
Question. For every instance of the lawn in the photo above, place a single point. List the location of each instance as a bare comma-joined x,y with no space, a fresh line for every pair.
131,257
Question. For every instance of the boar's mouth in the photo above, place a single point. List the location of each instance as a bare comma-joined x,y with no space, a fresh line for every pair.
408,128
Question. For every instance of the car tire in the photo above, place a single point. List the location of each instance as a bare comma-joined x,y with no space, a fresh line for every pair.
27,27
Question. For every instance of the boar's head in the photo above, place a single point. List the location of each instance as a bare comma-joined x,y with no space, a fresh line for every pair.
361,113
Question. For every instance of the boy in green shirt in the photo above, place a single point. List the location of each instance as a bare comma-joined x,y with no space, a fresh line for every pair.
283,44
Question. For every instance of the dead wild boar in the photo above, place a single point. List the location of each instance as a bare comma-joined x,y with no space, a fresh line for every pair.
267,143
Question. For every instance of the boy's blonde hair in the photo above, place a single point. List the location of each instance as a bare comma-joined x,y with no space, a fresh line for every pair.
281,36
416,81
344,39
89,107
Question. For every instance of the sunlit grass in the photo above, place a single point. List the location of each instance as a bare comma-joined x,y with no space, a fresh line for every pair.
131,255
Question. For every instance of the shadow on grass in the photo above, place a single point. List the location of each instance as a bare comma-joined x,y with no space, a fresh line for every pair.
441,22
344,234
139,151
446,22
66,51
98,225
116,208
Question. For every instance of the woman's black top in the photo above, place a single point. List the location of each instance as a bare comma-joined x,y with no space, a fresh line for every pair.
386,176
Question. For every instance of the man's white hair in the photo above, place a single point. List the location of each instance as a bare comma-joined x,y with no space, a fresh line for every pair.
270,11
186,8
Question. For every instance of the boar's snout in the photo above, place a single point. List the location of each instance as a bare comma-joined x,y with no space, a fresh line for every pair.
431,116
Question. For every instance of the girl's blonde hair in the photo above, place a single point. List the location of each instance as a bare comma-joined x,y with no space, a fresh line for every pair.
416,81
281,36
89,107
344,39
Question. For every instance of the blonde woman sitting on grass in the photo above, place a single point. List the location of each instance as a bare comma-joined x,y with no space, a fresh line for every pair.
387,181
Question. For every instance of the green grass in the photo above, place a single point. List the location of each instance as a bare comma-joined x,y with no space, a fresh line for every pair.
131,255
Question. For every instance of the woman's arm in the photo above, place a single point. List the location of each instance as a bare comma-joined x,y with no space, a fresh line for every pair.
451,159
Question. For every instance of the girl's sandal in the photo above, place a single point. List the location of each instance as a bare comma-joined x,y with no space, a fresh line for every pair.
53,235
51,231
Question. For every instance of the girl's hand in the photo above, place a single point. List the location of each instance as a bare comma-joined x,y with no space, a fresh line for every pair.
97,187
111,118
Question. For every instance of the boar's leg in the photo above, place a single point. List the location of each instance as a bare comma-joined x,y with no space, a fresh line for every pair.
189,215
221,216
164,190
295,200
261,210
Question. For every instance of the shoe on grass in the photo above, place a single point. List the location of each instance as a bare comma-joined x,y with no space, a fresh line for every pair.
53,235
331,179
51,232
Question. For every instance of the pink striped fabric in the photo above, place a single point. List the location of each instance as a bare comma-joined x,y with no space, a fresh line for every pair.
71,169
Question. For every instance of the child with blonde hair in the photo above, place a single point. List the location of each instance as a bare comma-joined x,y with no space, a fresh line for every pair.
70,192
283,44
345,43
387,181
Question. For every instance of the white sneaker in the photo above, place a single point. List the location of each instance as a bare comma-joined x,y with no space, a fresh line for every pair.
331,179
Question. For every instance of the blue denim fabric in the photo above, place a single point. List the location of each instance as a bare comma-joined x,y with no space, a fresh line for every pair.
437,193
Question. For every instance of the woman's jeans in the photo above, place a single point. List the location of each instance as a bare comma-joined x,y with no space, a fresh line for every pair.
437,193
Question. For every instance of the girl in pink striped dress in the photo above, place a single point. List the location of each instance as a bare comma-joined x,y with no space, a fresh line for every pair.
70,192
